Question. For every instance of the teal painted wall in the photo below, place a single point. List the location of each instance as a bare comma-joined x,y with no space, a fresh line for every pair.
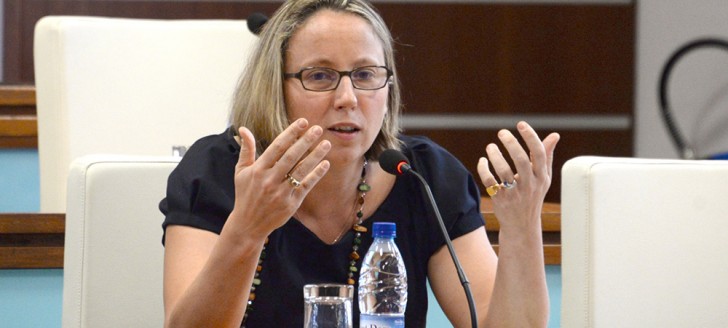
34,298
31,298
19,181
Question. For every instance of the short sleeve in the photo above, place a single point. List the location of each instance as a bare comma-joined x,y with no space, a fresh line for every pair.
200,190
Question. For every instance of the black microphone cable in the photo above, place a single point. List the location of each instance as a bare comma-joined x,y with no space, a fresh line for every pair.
686,152
394,162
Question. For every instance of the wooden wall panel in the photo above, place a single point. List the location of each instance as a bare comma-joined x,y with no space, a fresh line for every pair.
506,58
452,57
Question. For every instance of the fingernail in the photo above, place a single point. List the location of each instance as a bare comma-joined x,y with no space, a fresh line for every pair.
325,145
301,122
317,130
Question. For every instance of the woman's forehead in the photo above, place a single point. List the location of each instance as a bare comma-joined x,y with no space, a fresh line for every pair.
333,36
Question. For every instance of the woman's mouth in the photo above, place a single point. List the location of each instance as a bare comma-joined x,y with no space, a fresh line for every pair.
344,129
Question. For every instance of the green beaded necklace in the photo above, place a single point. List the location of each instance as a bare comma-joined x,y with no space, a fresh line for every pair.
362,188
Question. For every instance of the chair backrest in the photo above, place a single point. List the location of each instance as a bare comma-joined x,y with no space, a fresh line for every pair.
112,270
129,86
644,243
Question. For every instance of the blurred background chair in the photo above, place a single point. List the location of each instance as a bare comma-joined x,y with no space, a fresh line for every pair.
129,86
112,270
644,243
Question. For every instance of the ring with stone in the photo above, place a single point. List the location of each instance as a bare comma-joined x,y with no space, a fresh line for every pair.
493,190
293,181
509,185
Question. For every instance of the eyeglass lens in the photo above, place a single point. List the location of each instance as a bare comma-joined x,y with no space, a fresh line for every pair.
322,78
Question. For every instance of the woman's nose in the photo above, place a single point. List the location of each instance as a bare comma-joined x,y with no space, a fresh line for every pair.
345,94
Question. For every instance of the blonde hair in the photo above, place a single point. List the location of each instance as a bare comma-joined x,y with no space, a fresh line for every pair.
259,102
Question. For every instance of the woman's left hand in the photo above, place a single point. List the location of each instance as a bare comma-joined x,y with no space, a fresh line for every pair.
518,194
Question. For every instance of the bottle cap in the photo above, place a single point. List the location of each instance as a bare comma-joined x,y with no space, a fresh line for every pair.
384,230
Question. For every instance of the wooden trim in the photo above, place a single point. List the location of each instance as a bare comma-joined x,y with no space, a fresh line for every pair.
18,119
550,216
18,126
32,223
17,95
551,253
550,224
35,257
34,240
31,240
18,142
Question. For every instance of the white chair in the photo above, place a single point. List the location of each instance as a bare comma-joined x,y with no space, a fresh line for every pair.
129,86
112,274
644,243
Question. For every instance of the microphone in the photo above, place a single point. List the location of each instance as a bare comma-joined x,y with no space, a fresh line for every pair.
394,162
256,21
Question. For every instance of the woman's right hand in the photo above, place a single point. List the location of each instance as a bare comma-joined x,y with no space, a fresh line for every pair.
203,270
265,197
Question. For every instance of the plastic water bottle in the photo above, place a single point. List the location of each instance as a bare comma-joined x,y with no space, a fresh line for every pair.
383,281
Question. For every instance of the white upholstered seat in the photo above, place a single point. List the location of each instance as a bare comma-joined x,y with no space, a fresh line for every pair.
112,270
644,243
129,86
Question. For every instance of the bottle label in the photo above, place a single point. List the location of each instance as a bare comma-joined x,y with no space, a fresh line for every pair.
381,321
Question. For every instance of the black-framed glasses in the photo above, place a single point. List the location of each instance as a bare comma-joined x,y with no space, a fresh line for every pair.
326,79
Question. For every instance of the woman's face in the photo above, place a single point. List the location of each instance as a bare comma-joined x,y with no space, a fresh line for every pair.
351,118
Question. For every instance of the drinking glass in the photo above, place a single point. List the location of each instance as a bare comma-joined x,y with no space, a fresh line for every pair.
327,306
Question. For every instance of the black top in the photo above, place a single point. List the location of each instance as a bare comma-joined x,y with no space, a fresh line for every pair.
200,193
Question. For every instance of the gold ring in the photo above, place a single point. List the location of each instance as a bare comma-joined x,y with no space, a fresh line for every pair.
293,181
493,190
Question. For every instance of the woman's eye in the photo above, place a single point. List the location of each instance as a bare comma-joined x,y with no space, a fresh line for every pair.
364,74
320,75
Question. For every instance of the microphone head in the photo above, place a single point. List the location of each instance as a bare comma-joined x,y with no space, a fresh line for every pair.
256,21
394,162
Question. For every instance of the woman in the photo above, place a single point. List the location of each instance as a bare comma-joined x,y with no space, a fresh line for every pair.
251,212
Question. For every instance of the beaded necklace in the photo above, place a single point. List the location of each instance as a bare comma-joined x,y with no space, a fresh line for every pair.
362,188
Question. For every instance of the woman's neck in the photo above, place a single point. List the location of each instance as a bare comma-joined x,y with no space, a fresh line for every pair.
330,208
337,190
